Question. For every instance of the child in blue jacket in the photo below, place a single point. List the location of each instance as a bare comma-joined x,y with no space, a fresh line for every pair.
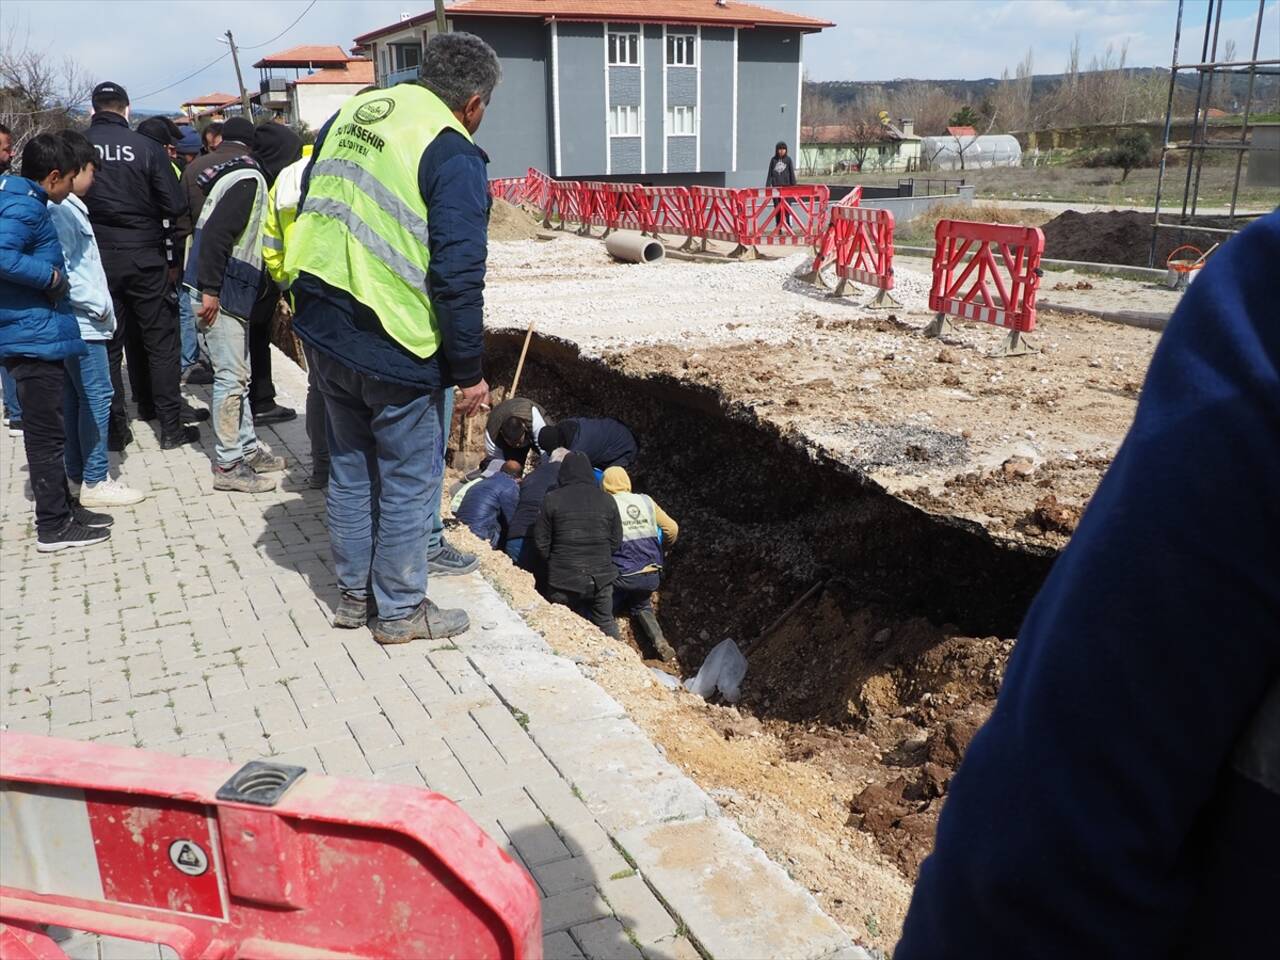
38,332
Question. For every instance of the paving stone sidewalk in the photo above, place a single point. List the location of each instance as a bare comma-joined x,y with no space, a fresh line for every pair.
202,628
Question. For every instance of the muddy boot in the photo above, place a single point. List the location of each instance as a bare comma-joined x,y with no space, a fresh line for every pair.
646,623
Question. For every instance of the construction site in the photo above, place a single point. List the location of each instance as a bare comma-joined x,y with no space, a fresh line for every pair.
879,412
866,512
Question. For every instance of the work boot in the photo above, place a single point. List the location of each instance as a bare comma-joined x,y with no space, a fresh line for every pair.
241,479
451,562
262,460
118,437
183,436
428,622
646,622
198,374
189,414
353,611
273,414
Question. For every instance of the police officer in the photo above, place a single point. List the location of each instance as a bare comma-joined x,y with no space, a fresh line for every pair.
393,315
133,194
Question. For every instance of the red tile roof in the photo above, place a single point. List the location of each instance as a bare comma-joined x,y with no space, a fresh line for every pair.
305,55
353,71
962,131
211,99
733,13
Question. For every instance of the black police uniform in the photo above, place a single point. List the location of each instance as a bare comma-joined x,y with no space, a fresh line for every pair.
134,192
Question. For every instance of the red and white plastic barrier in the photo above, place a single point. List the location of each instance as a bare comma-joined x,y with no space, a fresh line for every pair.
218,862
713,213
862,242
510,189
624,202
997,285
795,216
664,210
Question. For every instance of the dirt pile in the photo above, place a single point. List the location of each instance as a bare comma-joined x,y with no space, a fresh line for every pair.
509,222
1121,236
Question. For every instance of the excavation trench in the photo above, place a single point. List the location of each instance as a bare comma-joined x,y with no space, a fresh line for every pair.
766,518
897,625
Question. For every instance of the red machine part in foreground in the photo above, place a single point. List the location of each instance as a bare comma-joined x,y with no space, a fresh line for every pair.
266,862
997,285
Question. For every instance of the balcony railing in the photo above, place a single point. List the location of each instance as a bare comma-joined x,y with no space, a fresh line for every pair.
400,76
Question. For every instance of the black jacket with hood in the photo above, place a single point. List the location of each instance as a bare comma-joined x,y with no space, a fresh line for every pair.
781,171
134,190
578,531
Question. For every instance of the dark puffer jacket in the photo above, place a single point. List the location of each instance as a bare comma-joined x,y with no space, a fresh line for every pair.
533,490
31,324
578,531
606,442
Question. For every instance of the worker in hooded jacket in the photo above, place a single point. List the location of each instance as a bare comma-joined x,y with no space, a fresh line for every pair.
645,529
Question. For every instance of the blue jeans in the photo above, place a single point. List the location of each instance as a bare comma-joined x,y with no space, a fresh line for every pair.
187,328
436,528
386,466
227,343
12,405
86,409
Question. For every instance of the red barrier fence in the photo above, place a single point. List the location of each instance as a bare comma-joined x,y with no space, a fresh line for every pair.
998,285
510,189
748,218
664,210
262,863
863,250
795,216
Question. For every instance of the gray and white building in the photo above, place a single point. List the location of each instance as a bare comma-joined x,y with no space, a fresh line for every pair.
656,91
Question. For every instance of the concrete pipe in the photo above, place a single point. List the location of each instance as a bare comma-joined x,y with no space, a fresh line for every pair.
632,247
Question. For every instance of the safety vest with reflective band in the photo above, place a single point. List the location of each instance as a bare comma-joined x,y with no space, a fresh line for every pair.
641,547
282,211
243,276
363,225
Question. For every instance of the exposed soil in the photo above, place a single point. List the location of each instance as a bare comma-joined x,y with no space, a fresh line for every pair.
900,500
1123,236
509,222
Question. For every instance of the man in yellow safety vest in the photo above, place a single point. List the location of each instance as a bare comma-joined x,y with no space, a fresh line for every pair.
392,314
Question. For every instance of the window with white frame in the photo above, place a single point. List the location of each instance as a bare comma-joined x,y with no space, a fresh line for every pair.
680,122
681,49
624,49
624,121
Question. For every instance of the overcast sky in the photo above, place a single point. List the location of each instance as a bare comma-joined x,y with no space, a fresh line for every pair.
150,46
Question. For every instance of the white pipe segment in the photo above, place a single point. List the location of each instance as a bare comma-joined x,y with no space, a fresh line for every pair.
632,247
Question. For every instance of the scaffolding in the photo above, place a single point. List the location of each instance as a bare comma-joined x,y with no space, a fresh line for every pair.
1199,144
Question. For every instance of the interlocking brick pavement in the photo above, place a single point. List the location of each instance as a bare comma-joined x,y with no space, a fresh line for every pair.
202,628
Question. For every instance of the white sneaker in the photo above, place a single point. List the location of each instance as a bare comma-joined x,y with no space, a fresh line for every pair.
109,493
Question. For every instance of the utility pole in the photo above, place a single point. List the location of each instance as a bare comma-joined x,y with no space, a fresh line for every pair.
244,94
442,25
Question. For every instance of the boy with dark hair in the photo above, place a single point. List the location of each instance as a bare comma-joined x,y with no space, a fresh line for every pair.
87,404
38,332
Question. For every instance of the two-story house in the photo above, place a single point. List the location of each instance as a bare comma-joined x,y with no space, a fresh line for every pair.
658,91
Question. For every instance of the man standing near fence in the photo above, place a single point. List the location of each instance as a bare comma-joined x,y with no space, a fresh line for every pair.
393,314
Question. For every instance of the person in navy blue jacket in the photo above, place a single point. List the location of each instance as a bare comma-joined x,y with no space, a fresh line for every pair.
1123,800
606,442
490,504
38,331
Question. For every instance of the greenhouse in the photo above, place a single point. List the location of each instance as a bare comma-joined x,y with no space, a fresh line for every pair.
994,150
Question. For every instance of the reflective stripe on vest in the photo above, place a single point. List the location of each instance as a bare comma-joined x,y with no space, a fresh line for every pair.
640,545
244,268
363,225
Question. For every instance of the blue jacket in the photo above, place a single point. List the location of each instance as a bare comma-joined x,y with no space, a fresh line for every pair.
488,507
606,442
90,299
454,184
31,326
1124,798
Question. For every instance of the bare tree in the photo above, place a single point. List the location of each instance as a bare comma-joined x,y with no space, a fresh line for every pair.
929,105
38,92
